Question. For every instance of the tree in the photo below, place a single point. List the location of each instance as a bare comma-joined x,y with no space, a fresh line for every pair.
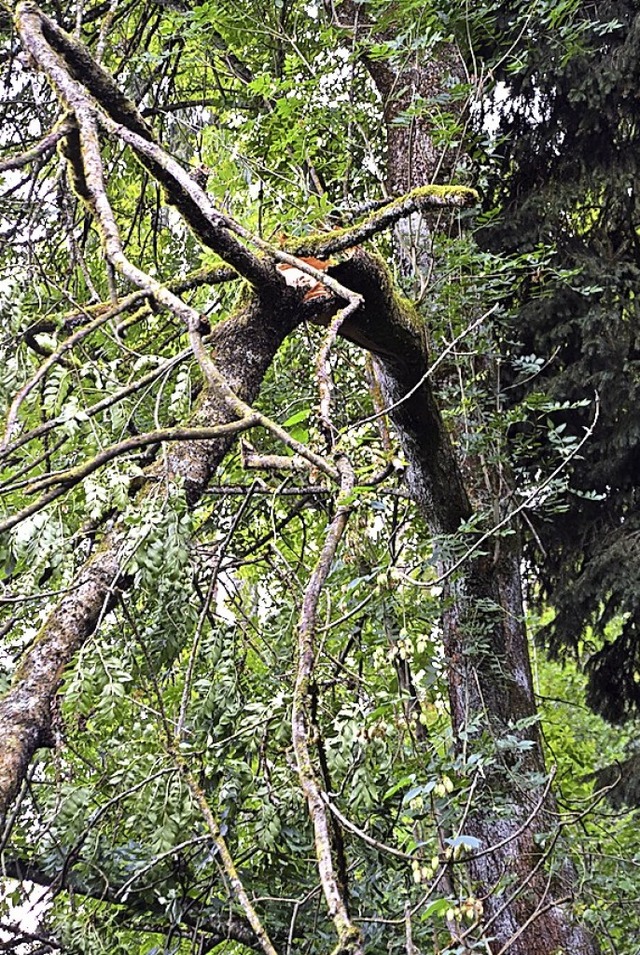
247,688
581,155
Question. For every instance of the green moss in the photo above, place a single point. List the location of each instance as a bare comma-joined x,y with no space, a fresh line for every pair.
418,200
398,304
464,192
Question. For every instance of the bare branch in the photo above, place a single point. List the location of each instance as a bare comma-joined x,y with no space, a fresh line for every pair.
61,481
47,144
349,938
90,92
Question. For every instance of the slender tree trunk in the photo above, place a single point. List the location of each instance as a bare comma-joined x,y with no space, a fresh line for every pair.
243,348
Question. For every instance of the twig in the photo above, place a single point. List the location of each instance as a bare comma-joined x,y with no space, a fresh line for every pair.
374,843
325,382
123,890
428,373
197,638
45,145
61,482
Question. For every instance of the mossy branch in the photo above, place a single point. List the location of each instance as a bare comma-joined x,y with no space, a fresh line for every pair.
87,90
423,199
231,870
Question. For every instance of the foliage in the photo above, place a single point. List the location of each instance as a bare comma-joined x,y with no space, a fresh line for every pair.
182,697
568,127
578,741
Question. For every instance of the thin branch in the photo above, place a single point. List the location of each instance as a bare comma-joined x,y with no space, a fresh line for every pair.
72,476
349,938
63,480
41,148
108,402
229,865
323,373
53,359
197,638
123,890
370,841
91,93
428,373
521,829
528,501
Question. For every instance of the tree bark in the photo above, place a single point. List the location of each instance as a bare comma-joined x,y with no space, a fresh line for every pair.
243,348
489,673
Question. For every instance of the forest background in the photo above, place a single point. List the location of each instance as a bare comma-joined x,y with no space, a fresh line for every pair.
319,477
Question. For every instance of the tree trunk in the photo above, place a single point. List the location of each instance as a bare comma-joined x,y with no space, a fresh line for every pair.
489,672
243,348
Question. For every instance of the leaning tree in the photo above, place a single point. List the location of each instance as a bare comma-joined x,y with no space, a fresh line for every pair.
283,709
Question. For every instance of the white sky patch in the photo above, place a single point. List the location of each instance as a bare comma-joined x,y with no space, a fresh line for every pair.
25,917
225,589
499,102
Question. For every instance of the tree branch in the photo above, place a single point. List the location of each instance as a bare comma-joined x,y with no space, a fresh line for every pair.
90,92
244,346
218,928
47,144
349,938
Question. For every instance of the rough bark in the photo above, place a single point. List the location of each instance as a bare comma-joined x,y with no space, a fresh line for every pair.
243,348
489,674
